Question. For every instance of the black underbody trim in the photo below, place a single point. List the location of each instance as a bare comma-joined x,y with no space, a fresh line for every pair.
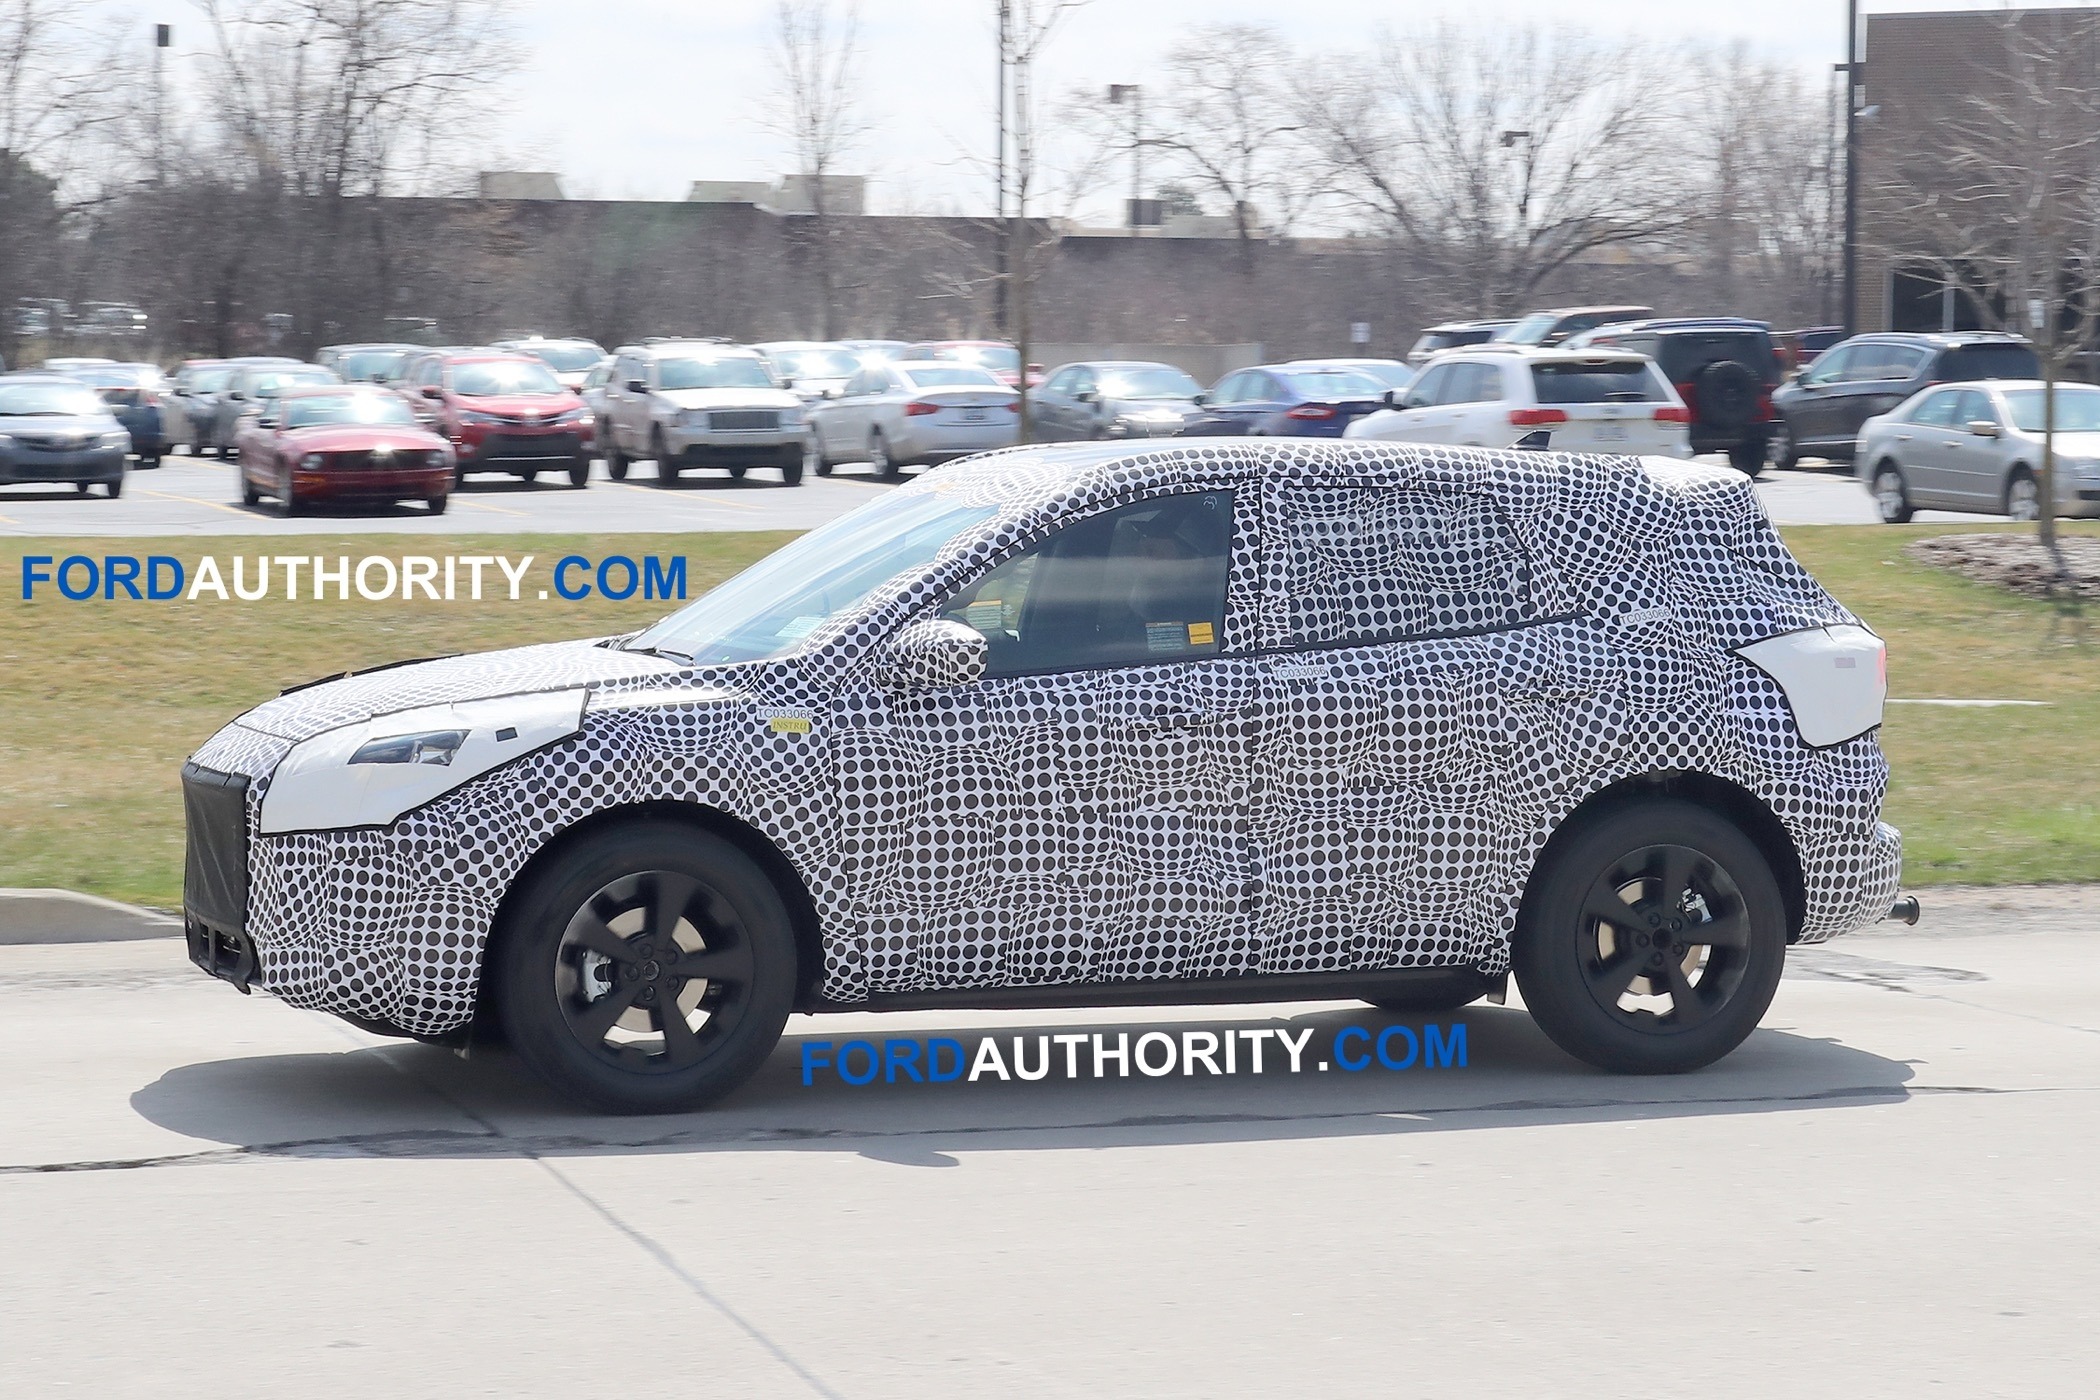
1206,991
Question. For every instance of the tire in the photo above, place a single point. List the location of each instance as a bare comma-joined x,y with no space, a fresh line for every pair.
737,473
1781,451
791,473
580,473
1457,988
2023,496
438,503
1891,495
879,457
1748,457
459,475
725,916
115,487
814,462
1726,392
615,460
249,495
530,478
666,468
1657,864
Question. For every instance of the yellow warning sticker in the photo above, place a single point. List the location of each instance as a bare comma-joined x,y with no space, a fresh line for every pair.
789,724
1201,634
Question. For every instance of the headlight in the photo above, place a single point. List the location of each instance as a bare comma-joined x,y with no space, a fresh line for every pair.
311,461
693,417
791,417
431,746
116,439
468,415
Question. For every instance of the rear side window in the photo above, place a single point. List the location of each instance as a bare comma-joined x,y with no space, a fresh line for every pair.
1989,362
1683,356
1614,381
1367,564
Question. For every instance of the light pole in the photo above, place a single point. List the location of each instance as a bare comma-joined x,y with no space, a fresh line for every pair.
1002,235
163,36
1118,94
1852,68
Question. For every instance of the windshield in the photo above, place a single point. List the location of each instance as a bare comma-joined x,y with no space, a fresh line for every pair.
485,379
1162,383
47,399
320,410
993,357
1531,329
2077,409
928,376
1612,381
1332,384
730,372
769,608
373,364
815,364
566,357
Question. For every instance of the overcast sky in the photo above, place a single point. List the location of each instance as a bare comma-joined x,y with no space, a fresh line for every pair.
638,98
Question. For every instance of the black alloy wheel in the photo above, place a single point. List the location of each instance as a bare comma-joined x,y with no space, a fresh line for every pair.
650,969
1651,940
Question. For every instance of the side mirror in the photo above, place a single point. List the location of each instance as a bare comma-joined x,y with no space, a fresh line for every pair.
787,381
1201,400
266,421
432,391
833,391
1085,396
1394,398
181,393
636,386
929,654
235,396
1983,427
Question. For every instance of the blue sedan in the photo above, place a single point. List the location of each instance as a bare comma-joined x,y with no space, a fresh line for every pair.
1286,401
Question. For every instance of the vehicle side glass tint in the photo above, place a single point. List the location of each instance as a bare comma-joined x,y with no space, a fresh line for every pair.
1138,585
1379,564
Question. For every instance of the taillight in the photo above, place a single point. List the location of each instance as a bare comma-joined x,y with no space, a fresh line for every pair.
1673,413
1764,406
1312,412
1536,417
919,408
1014,406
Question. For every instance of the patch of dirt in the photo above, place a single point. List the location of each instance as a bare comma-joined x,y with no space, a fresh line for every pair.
2017,562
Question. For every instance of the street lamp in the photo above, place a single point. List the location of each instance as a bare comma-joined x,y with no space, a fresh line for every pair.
1118,94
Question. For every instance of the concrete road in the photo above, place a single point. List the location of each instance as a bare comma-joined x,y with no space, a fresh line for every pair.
195,496
1886,1192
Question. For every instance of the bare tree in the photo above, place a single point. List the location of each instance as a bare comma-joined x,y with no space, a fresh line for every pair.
1500,157
1026,30
1227,121
816,56
2000,196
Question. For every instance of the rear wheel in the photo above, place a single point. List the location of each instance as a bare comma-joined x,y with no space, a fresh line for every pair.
1651,940
1748,456
737,473
530,478
647,969
2023,495
1891,496
879,457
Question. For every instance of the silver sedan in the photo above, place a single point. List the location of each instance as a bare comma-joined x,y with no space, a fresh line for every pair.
1978,447
1113,399
911,413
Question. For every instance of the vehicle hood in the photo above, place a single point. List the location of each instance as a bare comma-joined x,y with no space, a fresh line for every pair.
521,405
1154,408
2082,446
731,398
361,437
44,427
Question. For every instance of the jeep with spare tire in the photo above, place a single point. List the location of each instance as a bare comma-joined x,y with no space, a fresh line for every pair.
1725,370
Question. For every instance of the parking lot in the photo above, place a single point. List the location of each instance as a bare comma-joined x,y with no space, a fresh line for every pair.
270,1202
197,496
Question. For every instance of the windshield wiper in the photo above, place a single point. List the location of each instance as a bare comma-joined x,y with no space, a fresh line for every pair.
667,654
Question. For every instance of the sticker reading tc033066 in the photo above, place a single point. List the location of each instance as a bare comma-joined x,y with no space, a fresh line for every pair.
1201,634
787,721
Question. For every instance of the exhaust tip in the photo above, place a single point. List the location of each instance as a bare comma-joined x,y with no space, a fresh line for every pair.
1905,910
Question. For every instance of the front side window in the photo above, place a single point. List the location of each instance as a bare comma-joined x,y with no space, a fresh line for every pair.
1975,407
1139,585
1370,564
1428,391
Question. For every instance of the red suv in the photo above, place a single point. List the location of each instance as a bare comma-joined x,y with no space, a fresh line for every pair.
503,413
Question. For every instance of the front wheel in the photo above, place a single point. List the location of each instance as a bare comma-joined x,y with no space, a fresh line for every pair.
580,473
438,504
1891,496
1651,940
647,969
615,460
2023,496
1783,453
115,487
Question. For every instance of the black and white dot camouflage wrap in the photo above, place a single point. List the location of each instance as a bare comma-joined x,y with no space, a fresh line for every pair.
1295,804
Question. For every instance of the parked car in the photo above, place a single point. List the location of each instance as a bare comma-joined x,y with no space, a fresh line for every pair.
1821,412
192,396
1452,335
912,413
997,738
1286,401
700,403
1798,349
1724,368
134,394
1978,447
255,384
345,443
813,369
872,351
571,357
1391,373
110,320
378,363
1550,328
55,429
995,355
1113,399
595,398
1567,400
503,414
70,364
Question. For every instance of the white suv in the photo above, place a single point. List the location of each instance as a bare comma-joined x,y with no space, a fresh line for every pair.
698,403
1508,396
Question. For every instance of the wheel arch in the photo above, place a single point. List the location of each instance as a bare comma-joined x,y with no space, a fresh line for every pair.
1748,812
794,891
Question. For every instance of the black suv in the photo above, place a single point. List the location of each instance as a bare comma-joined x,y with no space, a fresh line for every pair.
1725,370
1821,412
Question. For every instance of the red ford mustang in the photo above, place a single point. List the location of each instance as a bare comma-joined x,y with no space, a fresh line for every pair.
342,443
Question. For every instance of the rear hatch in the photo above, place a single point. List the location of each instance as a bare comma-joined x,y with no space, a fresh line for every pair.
964,407
1603,403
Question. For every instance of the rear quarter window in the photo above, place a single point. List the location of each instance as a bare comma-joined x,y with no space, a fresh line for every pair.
1620,381
1989,362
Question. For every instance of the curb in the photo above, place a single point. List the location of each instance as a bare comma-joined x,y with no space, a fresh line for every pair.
62,916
